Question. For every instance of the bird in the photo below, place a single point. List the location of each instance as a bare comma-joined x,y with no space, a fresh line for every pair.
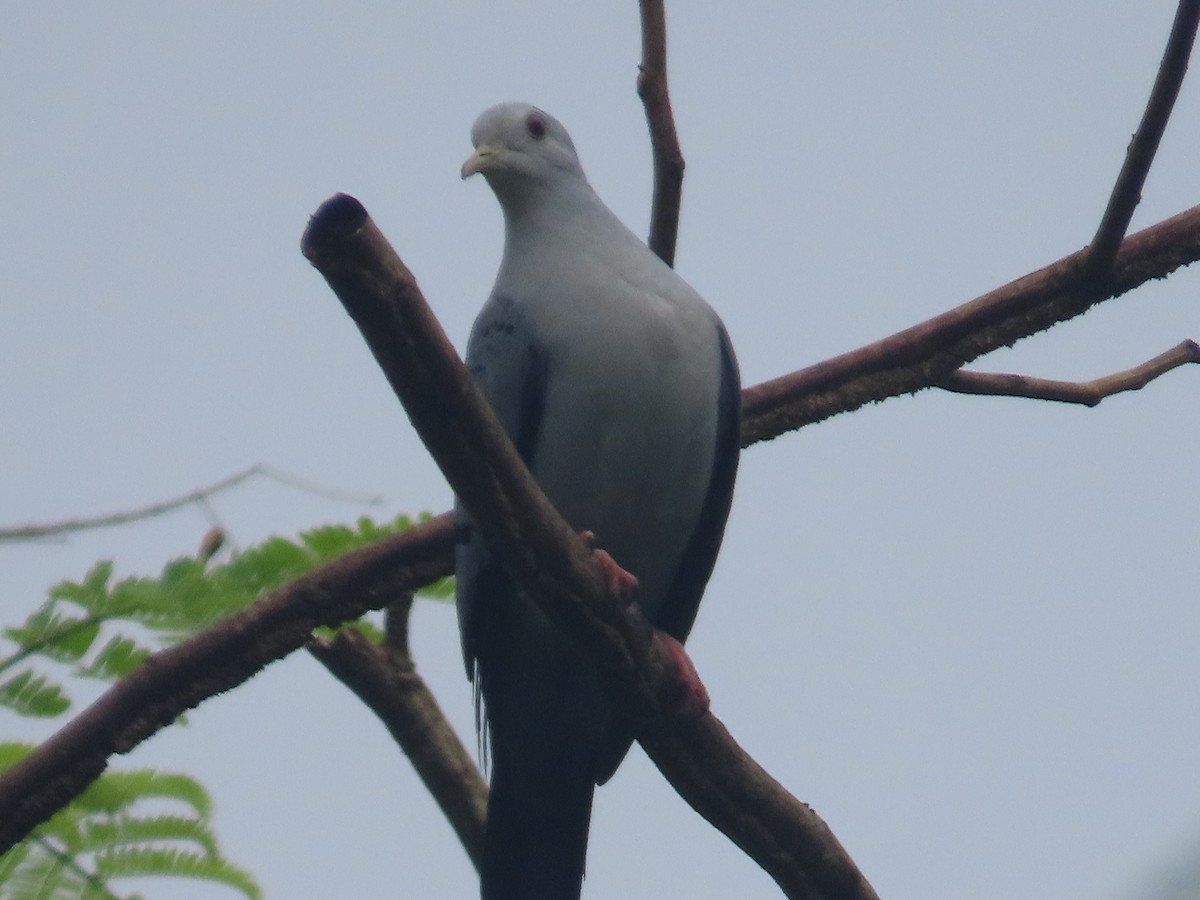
618,385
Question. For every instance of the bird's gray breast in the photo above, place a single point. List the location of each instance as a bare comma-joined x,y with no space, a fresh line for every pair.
628,424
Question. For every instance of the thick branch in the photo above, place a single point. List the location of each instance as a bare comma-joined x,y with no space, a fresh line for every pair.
234,650
392,689
664,141
925,354
1127,192
174,680
1088,393
699,757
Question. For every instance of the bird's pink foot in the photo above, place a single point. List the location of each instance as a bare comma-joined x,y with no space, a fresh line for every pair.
691,696
620,583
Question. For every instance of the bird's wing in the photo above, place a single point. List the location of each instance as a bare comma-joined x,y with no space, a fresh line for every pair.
678,610
509,368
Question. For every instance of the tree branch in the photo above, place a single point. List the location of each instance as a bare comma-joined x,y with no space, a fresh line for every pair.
925,354
698,756
233,650
1127,192
174,680
664,141
1088,393
390,687
790,842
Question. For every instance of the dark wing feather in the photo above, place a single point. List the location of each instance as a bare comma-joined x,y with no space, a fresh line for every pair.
509,369
678,611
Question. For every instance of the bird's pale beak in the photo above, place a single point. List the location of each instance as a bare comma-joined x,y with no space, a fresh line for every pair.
479,160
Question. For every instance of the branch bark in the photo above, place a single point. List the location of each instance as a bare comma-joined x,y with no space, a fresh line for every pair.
664,140
388,683
1087,393
924,355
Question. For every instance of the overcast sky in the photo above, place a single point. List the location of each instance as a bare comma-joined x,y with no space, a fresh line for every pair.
964,629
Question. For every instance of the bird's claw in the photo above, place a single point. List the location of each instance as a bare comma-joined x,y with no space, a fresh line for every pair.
620,583
690,698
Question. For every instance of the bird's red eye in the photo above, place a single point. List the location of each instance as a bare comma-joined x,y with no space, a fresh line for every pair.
536,126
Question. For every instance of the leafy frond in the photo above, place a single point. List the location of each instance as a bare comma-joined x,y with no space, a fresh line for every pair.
60,637
116,830
118,657
141,823
116,792
143,861
98,835
74,627
30,694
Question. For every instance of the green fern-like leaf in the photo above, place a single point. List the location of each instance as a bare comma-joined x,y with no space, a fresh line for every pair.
90,594
130,862
11,753
133,830
30,694
12,861
117,791
36,870
118,657
330,541
117,828
60,637
101,836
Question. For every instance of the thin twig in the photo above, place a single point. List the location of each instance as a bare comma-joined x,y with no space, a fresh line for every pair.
198,496
395,628
391,688
664,141
1127,192
1088,393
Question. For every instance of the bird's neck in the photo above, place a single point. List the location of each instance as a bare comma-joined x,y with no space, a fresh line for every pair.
554,221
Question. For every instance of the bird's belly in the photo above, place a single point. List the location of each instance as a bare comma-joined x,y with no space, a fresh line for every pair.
630,459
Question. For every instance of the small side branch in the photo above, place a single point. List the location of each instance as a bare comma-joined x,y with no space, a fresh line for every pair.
1127,192
386,680
1088,393
926,354
664,141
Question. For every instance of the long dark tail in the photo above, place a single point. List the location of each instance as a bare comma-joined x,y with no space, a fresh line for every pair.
537,831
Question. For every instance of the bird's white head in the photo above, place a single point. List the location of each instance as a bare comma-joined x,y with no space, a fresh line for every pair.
517,144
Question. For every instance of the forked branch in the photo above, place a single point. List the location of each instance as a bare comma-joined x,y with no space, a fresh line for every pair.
1127,192
386,681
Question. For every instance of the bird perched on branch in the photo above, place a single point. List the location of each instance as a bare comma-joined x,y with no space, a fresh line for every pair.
618,385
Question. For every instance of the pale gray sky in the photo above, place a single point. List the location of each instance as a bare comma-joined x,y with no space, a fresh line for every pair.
964,629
